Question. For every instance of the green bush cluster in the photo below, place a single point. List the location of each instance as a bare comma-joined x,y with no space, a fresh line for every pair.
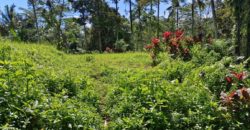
177,94
31,99
42,88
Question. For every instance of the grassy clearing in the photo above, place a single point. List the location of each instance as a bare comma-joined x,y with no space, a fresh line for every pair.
102,70
49,60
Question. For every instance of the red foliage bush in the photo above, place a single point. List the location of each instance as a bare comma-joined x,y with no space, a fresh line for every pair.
239,95
175,44
242,94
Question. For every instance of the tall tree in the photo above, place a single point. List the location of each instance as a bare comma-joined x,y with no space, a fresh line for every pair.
99,23
139,27
130,14
214,19
174,10
177,15
103,21
139,6
81,7
62,5
151,15
117,13
201,6
33,3
27,27
237,5
248,27
192,6
53,13
158,18
116,5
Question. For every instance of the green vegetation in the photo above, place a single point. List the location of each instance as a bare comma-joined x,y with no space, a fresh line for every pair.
80,64
79,26
43,88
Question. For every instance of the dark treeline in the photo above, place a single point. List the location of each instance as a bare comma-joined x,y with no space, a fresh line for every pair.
90,25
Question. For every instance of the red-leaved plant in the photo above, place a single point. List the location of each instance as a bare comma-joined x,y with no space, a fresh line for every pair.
177,45
154,49
174,42
236,96
240,94
236,101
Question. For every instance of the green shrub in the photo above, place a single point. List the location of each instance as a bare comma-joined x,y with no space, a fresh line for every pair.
152,103
121,46
31,99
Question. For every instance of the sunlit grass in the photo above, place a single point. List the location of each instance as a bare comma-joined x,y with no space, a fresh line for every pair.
47,59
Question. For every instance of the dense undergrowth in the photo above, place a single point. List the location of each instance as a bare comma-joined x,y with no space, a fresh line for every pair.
42,88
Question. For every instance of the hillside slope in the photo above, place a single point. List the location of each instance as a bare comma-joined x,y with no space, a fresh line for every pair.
41,84
43,88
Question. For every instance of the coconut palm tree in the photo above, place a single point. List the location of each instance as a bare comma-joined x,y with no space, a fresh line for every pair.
9,19
174,9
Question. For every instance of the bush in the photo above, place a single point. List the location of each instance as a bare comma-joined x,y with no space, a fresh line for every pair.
121,46
30,99
155,103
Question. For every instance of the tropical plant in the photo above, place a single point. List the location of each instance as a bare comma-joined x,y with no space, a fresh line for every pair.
10,20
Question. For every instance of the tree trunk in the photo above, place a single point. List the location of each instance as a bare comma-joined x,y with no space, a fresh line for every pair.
140,26
214,19
99,27
200,12
100,40
248,29
158,18
150,20
131,18
116,28
85,33
238,27
177,17
193,1
116,6
61,39
35,17
248,36
83,42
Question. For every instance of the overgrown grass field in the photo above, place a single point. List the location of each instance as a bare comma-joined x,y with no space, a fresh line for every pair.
43,88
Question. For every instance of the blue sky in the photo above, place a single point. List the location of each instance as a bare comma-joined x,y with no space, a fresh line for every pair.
123,8
18,3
